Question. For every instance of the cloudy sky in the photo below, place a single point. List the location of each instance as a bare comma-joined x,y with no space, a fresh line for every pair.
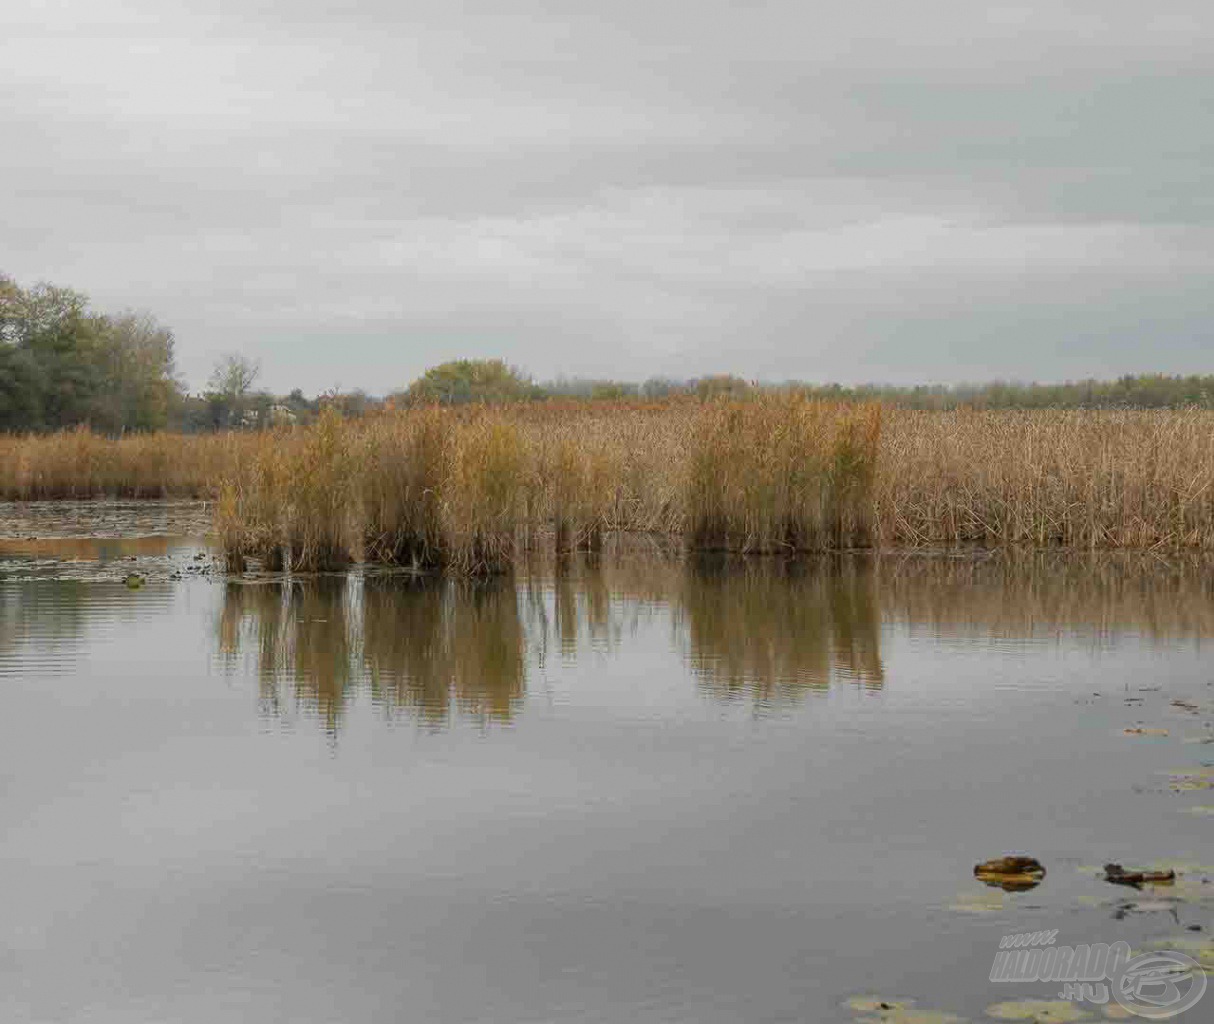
857,191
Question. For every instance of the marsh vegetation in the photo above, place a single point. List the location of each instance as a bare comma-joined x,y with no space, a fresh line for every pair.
471,488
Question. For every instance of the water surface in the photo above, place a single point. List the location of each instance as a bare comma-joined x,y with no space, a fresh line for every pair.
634,787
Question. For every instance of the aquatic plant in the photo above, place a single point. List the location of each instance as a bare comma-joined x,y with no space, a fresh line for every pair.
474,487
781,473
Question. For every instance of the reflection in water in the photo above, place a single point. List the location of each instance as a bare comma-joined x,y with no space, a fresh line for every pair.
761,630
1022,595
32,615
296,631
86,549
432,647
774,630
423,646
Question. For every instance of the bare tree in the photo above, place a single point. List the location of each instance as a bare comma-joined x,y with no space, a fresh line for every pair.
230,388
234,376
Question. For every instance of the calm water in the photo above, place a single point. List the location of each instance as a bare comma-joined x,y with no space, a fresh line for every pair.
635,788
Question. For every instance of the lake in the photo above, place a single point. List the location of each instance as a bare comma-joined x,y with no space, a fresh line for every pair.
635,786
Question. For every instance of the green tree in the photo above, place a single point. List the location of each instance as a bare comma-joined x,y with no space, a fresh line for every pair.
62,364
722,386
136,355
64,342
472,380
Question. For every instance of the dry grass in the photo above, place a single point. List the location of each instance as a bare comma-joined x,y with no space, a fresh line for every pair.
80,464
473,489
1077,479
785,474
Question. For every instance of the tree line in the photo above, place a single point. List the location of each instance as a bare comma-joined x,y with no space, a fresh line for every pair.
64,365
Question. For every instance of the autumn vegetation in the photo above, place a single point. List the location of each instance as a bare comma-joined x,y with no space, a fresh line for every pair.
475,489
475,466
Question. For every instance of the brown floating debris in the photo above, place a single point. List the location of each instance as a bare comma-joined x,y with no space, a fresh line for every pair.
1118,875
1010,873
1139,730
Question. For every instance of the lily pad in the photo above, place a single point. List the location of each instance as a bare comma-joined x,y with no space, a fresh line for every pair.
1201,950
877,1004
984,901
1038,1011
877,1010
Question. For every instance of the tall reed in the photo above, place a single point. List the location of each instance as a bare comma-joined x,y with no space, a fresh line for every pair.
80,464
474,488
404,470
782,473
1066,478
483,496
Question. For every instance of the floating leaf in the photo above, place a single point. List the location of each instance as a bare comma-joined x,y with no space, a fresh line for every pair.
1201,950
877,1004
877,1010
1139,730
1182,867
1190,780
984,901
1037,1010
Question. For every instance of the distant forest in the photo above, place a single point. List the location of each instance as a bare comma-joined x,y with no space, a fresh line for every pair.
63,364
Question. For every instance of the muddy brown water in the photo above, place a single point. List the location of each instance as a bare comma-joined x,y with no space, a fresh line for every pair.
637,787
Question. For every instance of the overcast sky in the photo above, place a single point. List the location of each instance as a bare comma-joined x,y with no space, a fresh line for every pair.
856,191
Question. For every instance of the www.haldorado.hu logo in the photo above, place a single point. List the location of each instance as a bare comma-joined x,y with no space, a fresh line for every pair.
1156,985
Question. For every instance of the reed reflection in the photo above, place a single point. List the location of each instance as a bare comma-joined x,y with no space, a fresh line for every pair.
595,602
298,636
773,631
1031,594
768,631
431,647
425,647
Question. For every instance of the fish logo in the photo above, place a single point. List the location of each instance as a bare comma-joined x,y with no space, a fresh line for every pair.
1158,986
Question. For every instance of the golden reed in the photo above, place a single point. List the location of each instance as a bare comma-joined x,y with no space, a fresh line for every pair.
472,488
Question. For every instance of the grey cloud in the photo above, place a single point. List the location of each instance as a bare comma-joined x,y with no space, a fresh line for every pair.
355,190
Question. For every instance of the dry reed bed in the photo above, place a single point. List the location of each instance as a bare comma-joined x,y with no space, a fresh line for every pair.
1073,478
472,488
80,464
